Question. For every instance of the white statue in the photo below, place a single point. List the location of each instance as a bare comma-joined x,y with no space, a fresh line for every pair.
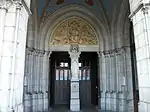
74,55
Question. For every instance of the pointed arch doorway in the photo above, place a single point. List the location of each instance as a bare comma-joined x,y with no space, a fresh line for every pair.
73,30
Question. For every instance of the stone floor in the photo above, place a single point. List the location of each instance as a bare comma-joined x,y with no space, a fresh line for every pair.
65,109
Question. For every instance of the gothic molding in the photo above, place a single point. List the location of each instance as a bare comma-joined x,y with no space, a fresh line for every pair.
6,4
142,6
114,52
34,51
26,7
145,9
22,4
52,20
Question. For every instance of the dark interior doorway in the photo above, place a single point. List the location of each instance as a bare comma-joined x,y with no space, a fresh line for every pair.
59,79
88,79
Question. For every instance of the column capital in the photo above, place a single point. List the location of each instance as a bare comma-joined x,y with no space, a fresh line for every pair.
18,4
5,4
74,51
100,54
142,6
22,3
48,53
145,9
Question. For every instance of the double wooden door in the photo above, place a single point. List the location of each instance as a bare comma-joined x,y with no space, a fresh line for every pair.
61,82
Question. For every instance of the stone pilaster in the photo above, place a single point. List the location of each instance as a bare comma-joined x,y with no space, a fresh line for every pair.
12,41
140,17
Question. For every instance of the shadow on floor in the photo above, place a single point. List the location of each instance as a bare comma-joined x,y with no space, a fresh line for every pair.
65,109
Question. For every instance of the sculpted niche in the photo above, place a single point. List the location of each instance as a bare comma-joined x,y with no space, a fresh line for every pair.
73,31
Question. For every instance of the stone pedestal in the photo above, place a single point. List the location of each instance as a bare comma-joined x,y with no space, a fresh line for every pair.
75,100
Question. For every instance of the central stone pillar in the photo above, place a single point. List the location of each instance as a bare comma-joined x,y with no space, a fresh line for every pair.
74,97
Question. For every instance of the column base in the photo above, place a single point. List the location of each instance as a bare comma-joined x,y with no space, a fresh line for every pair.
74,100
75,105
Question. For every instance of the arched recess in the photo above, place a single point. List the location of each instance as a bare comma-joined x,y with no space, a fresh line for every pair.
73,10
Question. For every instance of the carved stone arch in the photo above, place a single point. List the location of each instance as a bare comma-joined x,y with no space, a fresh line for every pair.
70,11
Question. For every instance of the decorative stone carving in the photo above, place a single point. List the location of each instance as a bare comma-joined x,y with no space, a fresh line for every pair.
74,31
5,4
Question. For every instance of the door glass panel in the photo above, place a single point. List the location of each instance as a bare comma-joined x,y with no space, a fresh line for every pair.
84,75
57,74
69,76
66,64
65,74
88,74
61,64
80,64
61,75
80,74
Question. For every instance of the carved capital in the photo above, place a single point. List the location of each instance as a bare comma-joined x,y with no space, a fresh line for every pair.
100,54
114,52
18,5
145,10
74,51
5,4
48,53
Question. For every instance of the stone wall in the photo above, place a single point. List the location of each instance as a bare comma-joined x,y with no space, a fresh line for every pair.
13,28
141,24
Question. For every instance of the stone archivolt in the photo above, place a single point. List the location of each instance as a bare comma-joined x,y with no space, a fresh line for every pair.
74,31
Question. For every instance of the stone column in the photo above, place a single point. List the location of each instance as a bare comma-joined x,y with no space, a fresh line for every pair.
129,105
74,100
113,81
3,87
140,16
40,93
100,79
45,84
103,82
35,82
27,81
107,94
13,56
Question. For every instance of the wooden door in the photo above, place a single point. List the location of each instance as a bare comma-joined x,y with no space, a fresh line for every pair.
62,84
85,84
